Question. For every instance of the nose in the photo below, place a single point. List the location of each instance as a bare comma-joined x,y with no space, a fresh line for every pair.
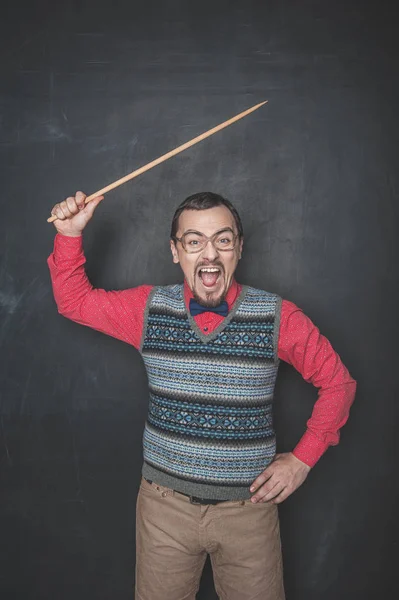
210,251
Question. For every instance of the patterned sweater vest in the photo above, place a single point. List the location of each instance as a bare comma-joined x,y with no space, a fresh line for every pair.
209,430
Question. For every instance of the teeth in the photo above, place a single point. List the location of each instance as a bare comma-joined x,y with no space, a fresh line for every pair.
210,270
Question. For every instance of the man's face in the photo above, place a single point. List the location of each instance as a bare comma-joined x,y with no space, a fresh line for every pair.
209,289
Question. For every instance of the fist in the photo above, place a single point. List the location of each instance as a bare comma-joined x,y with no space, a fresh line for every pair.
73,214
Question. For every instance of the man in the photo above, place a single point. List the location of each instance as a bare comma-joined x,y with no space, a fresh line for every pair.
211,478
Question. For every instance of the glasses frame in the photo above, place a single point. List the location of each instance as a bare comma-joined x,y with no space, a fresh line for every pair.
208,239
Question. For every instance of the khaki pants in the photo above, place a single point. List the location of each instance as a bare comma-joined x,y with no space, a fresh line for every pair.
174,536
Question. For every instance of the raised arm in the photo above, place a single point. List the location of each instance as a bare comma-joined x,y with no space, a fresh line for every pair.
119,314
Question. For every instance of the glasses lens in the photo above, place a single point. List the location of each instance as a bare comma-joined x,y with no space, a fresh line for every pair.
224,241
193,242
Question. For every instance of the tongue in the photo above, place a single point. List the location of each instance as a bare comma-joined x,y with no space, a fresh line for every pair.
209,279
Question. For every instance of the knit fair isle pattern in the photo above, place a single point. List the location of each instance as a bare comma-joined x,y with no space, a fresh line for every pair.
210,425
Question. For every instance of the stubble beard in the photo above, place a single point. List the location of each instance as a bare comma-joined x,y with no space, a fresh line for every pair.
209,301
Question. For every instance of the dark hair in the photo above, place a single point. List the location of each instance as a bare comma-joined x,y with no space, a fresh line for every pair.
203,201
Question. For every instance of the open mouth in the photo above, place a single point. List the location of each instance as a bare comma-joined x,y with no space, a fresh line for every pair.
209,276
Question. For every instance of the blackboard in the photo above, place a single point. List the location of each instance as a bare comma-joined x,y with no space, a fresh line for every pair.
89,92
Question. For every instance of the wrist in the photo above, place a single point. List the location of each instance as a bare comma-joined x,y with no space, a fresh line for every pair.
74,234
301,463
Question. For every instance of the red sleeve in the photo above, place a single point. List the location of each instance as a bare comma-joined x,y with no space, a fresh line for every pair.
119,314
302,346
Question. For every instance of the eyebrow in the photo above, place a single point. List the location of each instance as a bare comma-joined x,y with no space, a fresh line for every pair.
216,232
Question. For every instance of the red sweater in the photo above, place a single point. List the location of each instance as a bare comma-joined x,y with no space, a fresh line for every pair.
300,343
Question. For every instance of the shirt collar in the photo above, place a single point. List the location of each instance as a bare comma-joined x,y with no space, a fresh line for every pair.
231,295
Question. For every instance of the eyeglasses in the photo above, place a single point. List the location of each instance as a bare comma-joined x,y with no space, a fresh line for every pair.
194,241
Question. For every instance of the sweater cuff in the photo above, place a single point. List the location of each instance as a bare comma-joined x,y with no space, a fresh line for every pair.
309,449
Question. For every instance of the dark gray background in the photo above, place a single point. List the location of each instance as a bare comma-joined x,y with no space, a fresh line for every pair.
92,90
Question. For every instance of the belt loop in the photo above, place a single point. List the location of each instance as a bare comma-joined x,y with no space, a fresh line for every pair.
161,490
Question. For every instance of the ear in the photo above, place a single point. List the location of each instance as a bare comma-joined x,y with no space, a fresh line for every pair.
240,248
174,252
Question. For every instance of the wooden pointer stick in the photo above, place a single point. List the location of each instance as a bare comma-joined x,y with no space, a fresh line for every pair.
164,157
